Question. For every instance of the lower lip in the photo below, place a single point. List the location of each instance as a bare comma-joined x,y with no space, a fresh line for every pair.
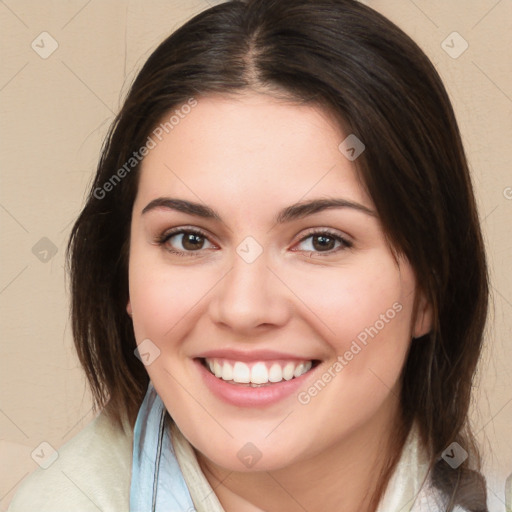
247,396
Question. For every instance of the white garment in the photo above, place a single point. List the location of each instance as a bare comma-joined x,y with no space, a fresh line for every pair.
94,468
92,473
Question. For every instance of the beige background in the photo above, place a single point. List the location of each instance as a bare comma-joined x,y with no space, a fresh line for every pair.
55,112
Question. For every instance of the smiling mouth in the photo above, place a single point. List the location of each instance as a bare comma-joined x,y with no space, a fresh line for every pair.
257,373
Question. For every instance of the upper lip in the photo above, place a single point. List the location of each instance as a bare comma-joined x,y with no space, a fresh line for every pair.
250,355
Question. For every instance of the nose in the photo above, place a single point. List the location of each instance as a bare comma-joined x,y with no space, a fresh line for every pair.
250,298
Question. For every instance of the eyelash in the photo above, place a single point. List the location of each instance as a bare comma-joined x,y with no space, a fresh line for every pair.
165,237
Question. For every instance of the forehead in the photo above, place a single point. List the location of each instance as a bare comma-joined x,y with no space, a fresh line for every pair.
249,148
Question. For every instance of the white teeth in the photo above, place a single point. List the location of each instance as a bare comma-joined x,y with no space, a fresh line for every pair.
288,371
298,370
227,371
275,374
241,373
217,369
259,373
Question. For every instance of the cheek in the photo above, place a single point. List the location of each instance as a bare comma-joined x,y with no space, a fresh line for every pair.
354,302
364,314
161,296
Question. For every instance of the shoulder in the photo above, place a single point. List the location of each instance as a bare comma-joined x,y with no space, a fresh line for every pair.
92,472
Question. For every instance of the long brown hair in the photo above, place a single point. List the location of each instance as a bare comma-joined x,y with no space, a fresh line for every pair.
349,59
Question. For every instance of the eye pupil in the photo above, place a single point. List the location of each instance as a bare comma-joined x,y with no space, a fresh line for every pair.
324,242
195,241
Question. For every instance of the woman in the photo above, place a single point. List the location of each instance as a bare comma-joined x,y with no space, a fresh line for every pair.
279,285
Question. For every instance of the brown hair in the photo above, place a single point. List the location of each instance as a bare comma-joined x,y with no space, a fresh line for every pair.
348,58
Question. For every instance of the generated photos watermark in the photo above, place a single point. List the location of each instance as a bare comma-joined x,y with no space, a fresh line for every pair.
357,345
151,142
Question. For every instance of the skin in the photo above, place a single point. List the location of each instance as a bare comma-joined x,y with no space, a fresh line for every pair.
247,157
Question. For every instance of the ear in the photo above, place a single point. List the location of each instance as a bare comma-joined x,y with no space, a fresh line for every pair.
424,318
129,309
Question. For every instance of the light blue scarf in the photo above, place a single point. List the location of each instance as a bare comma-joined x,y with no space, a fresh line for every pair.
157,483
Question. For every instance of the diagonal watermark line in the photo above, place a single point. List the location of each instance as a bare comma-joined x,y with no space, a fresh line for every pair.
494,416
13,77
85,85
218,484
14,218
76,14
492,81
486,14
332,332
497,495
490,213
100,125
1,411
15,485
424,13
170,169
198,301
286,491
68,224
377,377
77,423
13,13
78,487
200,200
501,295
199,403
307,192
13,279
282,421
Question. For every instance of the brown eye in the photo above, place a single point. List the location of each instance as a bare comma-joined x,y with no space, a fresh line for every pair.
323,242
192,241
184,241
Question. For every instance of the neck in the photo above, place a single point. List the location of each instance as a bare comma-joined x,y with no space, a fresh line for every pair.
350,476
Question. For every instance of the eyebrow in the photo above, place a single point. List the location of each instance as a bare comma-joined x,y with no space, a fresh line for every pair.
288,214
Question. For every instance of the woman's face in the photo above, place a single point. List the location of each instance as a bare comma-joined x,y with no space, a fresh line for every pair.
237,263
